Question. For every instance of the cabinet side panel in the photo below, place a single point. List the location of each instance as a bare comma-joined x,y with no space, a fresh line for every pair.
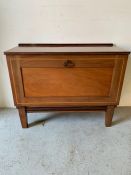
12,80
122,74
118,77
16,79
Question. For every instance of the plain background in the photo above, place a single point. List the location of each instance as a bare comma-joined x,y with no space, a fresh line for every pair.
61,21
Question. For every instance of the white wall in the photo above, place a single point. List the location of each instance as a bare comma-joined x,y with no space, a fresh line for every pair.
63,21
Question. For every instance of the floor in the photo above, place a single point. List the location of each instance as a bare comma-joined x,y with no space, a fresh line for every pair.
65,144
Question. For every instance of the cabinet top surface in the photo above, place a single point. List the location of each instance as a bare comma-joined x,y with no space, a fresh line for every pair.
65,49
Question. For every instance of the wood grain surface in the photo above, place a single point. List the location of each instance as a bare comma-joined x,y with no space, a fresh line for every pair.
68,78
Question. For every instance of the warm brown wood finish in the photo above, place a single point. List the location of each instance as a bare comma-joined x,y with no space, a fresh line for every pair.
68,77
23,117
109,115
36,81
66,49
77,108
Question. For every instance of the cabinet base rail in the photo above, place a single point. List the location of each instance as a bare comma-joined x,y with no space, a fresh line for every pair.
109,111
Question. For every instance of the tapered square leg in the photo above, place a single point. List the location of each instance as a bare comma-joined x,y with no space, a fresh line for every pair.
109,115
23,117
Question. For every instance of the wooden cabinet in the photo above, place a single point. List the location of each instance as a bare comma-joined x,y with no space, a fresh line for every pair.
66,77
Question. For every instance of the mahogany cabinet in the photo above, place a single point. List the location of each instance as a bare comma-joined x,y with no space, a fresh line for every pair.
66,77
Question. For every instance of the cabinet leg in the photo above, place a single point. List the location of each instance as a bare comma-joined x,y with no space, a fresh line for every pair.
23,117
109,115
